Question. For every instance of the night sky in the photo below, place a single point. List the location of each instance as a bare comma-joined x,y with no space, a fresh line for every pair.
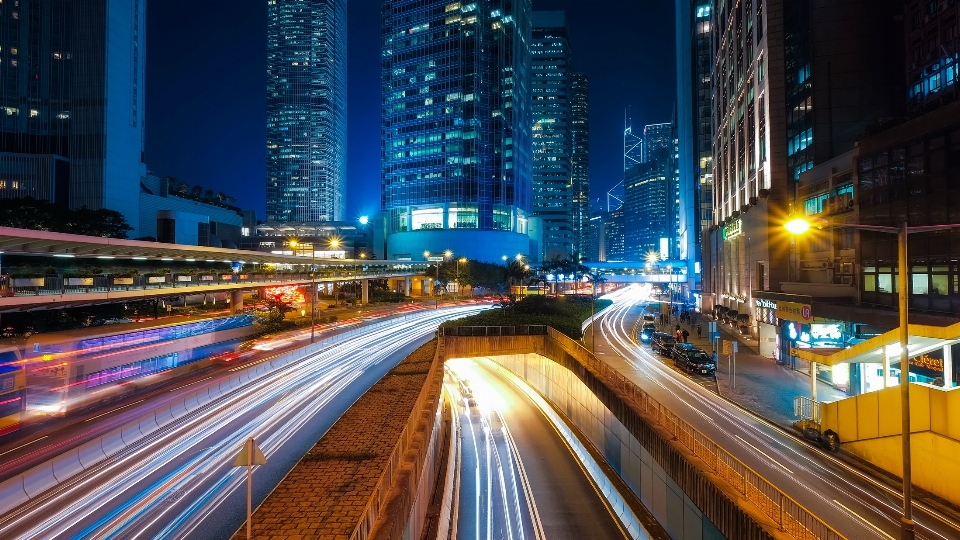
206,89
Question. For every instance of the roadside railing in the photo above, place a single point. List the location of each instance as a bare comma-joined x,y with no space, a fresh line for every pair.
790,516
805,408
378,499
60,284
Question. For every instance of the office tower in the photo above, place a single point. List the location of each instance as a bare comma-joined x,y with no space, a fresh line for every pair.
613,236
553,192
646,209
580,134
456,128
694,133
632,144
306,110
657,142
71,103
795,83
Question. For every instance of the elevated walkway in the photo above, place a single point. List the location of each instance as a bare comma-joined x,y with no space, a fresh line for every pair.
691,485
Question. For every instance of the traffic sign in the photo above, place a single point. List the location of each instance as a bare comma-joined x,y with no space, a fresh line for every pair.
726,347
243,458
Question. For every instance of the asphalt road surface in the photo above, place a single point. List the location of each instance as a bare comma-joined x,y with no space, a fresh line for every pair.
856,505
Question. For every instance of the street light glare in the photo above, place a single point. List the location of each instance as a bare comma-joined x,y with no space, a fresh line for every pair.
797,226
364,220
447,253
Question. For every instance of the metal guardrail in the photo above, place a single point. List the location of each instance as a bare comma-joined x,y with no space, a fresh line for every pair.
805,408
59,284
790,516
492,331
374,506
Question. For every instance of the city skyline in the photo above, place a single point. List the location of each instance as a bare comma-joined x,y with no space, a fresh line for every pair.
234,160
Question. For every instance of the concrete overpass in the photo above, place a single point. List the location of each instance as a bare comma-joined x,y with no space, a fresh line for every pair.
247,270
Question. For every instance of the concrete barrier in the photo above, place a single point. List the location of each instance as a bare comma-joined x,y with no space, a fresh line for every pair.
91,453
190,403
66,465
130,433
39,479
148,423
163,416
112,443
177,408
12,494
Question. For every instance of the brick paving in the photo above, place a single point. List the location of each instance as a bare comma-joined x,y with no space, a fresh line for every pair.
326,492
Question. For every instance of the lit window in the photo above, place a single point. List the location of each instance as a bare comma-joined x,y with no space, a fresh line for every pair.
34,113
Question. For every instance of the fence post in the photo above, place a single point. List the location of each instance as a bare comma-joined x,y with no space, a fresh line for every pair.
781,510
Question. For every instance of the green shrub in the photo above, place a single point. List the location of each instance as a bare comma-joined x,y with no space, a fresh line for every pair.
565,314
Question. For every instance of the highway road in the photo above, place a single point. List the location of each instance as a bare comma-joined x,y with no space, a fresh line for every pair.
856,505
519,480
179,481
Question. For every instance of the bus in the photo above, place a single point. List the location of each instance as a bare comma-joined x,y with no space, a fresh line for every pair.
69,370
13,390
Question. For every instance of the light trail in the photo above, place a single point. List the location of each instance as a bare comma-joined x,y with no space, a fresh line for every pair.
190,459
725,418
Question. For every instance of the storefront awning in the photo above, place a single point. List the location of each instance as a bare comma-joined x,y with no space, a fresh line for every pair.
921,339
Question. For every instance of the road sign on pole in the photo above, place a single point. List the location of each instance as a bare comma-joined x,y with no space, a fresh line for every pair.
726,347
249,456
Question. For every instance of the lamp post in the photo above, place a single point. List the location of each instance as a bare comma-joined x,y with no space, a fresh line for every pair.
800,226
426,255
460,260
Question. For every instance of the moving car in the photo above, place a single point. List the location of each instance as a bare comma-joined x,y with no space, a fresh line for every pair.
662,342
646,333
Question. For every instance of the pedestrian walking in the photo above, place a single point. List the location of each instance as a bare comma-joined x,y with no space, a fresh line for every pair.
699,330
686,335
714,357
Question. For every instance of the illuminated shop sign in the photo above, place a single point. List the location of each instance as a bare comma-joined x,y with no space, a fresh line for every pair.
769,304
733,230
793,311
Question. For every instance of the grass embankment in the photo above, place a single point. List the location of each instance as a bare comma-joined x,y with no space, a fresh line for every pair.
566,314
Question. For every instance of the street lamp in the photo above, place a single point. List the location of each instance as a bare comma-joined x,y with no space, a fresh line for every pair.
460,260
426,255
313,286
800,226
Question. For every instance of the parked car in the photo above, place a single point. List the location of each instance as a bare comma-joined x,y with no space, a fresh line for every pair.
649,318
662,343
679,347
694,360
647,331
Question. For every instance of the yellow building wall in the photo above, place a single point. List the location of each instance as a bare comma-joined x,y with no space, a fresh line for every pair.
869,427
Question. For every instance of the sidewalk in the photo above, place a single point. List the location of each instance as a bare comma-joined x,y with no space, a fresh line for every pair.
760,386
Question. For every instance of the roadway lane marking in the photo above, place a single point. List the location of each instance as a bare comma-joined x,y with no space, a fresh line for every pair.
777,463
22,445
115,410
194,382
878,529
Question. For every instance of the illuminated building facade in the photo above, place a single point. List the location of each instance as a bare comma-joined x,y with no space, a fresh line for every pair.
580,135
72,103
552,133
456,128
306,110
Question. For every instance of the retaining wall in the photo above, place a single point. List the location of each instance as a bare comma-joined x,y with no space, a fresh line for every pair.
695,490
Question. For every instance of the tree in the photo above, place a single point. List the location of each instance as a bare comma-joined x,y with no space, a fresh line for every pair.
196,191
183,188
208,195
29,213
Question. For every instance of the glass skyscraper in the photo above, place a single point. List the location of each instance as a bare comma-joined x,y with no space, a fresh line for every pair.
695,133
552,133
580,134
71,103
647,209
456,128
306,110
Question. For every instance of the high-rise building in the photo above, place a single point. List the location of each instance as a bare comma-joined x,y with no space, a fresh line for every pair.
646,209
456,128
657,142
71,103
553,192
613,236
580,134
695,134
795,82
306,110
